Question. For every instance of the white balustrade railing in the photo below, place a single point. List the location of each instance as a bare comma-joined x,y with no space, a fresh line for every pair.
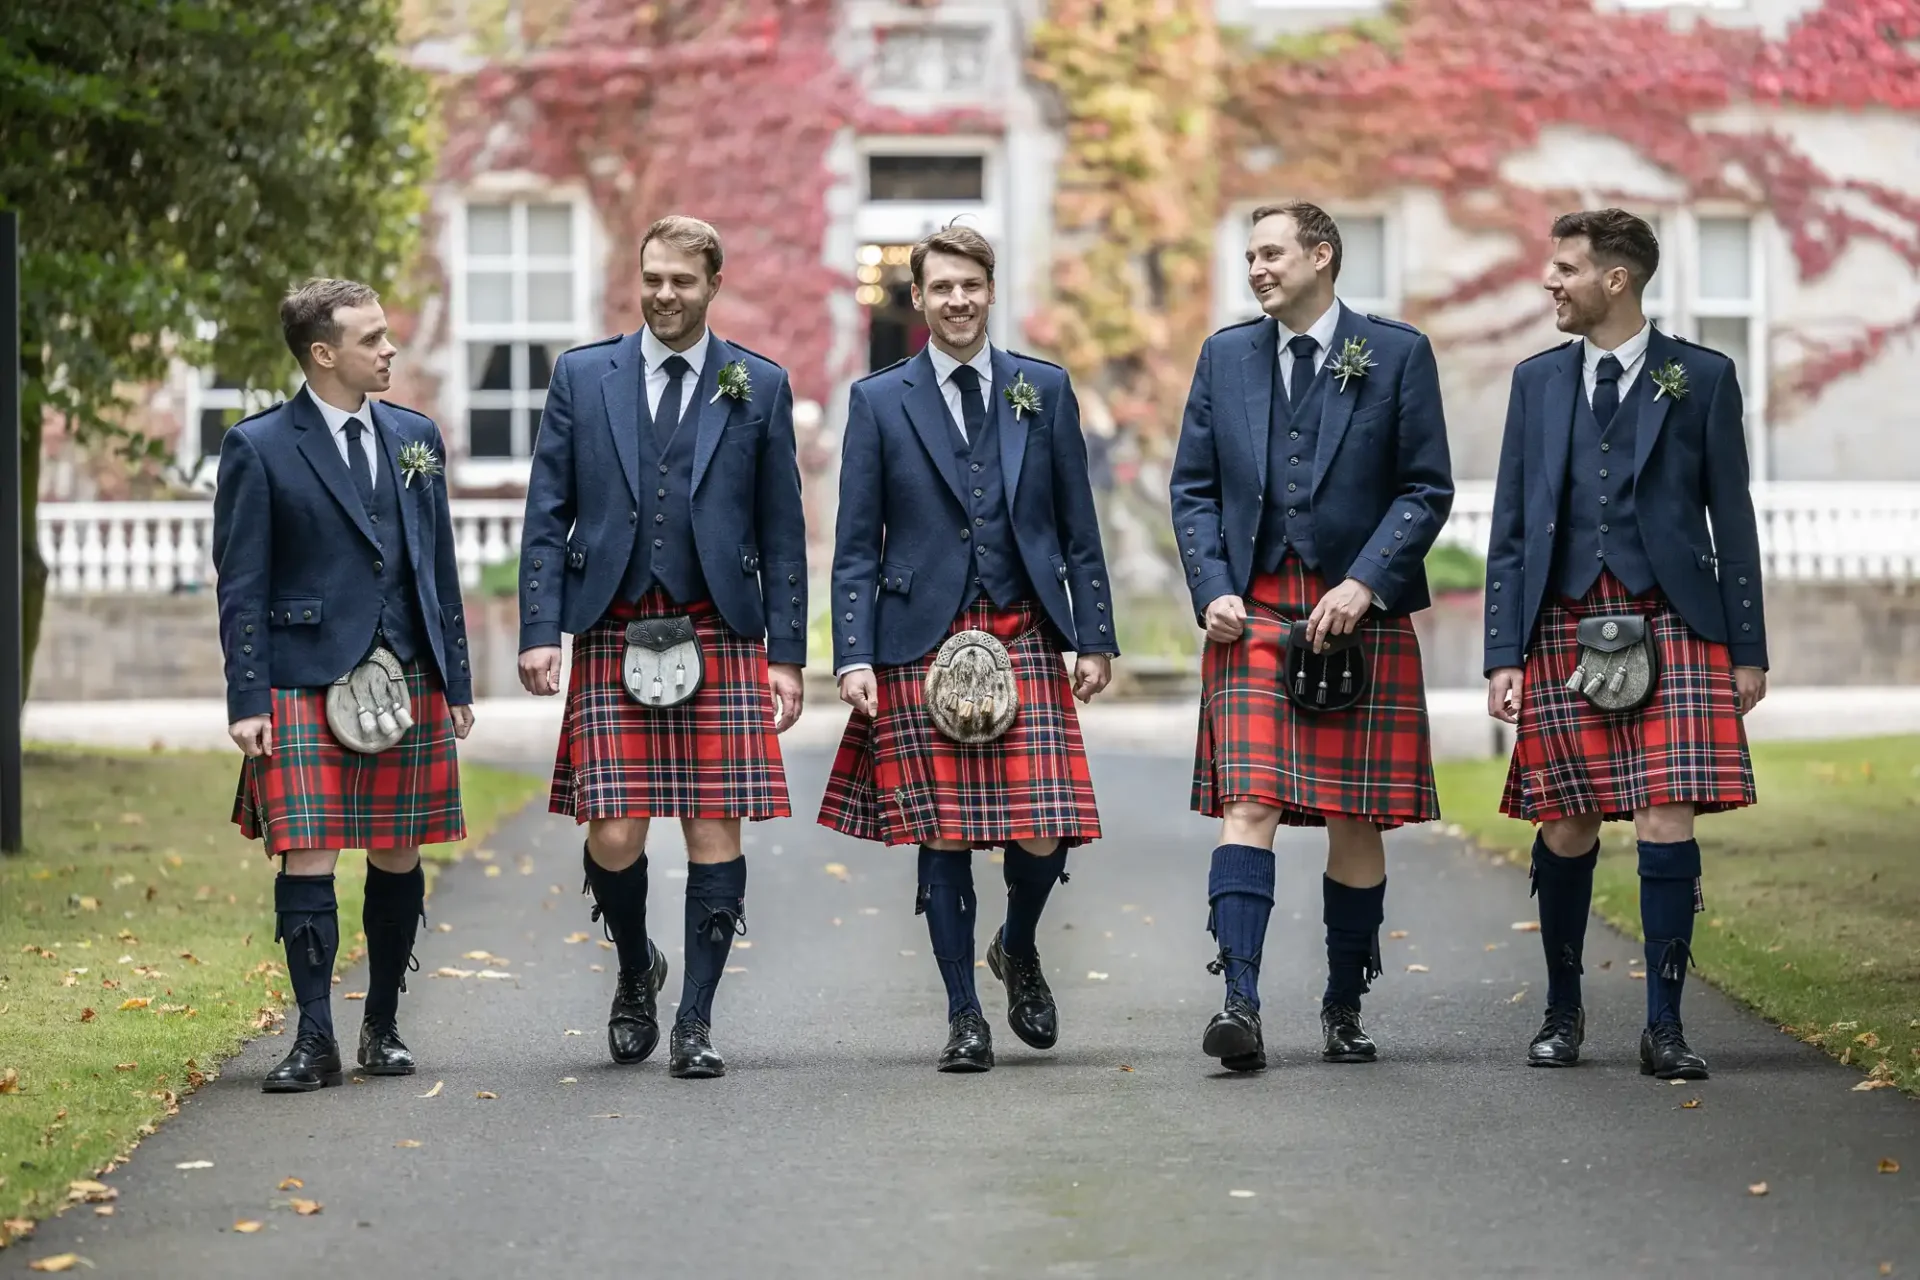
1816,531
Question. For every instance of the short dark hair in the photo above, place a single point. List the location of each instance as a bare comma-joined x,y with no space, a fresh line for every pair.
688,235
1615,238
306,313
962,242
1314,225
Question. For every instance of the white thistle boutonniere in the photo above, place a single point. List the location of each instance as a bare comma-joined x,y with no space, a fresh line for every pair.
416,459
734,383
1352,361
1023,396
1671,379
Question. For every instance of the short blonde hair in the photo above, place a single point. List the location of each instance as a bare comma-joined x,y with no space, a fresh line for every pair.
961,242
689,235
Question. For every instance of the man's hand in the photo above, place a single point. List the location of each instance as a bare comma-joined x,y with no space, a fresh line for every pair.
1091,672
1226,619
462,721
1339,611
1749,686
540,670
1503,693
788,690
859,690
254,735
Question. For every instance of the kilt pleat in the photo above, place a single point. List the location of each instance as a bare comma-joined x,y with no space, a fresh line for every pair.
899,780
1687,745
714,756
1373,761
313,793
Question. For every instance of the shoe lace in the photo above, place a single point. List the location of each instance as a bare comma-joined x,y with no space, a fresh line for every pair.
1343,1016
633,984
1668,1036
311,1043
1561,1020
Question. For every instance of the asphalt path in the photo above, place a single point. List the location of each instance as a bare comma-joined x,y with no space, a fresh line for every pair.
833,1149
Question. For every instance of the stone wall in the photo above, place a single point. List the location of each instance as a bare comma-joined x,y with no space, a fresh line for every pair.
106,647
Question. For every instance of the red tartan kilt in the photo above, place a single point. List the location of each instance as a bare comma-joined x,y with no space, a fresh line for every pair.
1373,761
313,793
1688,745
899,780
713,756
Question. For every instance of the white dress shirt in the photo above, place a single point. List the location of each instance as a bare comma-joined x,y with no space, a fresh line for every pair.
656,352
1631,354
337,420
1321,331
943,367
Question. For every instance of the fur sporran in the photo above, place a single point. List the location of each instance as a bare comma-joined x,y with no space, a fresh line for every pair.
370,708
662,665
1619,667
1332,680
971,692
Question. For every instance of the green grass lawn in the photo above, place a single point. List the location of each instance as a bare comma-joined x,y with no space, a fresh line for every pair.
136,952
1813,895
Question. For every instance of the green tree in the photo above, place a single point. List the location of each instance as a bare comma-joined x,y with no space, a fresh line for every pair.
176,165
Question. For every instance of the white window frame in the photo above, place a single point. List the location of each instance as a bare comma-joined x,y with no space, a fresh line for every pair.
1233,301
201,469
906,221
518,263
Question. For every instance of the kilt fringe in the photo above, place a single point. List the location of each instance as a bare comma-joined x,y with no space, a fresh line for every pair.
1688,745
1373,761
714,756
313,793
896,779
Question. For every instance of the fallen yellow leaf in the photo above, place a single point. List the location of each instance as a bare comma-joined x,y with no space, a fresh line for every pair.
58,1262
89,1192
1526,926
1889,1165
484,1094
407,1142
9,1081
353,995
576,938
103,1211
1867,1086
1418,968
246,1227
837,871
134,1002
126,1066
1757,1189
290,1184
1690,1104
492,871
1398,933
435,1091
305,1208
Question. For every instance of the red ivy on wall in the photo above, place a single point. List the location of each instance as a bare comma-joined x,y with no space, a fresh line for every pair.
1444,91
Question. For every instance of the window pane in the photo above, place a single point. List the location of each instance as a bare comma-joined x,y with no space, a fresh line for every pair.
533,430
540,365
490,433
1725,267
926,178
550,230
550,296
1728,335
490,229
490,366
489,297
221,381
1363,258
213,428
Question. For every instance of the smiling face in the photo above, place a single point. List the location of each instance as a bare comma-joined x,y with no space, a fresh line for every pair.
954,294
675,293
1288,278
362,360
1584,292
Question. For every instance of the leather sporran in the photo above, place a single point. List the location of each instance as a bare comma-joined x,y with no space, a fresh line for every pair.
1619,666
971,692
370,708
662,665
1334,679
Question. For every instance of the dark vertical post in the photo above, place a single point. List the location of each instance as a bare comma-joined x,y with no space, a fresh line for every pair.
13,695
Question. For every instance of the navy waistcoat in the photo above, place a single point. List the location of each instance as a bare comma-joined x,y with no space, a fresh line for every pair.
1598,526
1293,433
997,567
400,626
663,549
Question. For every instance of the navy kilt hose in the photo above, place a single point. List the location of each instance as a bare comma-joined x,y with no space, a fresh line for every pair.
714,756
899,780
1373,761
1686,745
313,793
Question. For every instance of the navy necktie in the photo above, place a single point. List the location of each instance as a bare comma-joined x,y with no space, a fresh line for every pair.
1606,390
973,406
667,416
1302,348
359,466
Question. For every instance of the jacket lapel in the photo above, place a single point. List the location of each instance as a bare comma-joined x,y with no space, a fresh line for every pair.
1013,426
1564,387
403,492
620,394
1258,369
711,414
1653,412
1336,410
928,414
317,445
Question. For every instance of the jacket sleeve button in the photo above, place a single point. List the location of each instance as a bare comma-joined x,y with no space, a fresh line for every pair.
536,564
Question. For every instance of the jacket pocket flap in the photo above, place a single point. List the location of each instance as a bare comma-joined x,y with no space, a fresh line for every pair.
294,611
1612,633
897,578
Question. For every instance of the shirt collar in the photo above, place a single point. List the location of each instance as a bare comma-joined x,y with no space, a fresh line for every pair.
1321,330
337,418
944,364
1627,353
655,352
